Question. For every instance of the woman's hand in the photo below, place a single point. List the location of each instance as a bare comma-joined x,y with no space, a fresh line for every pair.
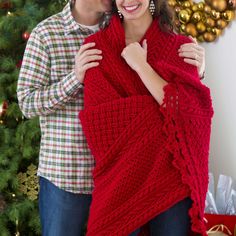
135,55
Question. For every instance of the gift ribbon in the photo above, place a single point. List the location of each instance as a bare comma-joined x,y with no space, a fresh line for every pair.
219,228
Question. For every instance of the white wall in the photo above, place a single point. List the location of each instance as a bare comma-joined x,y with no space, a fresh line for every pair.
221,78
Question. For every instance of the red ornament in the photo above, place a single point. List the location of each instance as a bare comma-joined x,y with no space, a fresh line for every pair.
18,65
26,35
3,108
5,5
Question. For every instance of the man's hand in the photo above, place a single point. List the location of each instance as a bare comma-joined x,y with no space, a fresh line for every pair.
194,55
85,59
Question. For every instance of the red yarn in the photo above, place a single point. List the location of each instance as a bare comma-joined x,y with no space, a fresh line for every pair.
148,157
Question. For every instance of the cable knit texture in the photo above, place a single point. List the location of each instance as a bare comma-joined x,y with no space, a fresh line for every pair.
148,156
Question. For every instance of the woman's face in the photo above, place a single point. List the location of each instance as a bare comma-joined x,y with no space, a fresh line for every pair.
133,9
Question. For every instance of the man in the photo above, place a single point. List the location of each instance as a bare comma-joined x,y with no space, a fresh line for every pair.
51,86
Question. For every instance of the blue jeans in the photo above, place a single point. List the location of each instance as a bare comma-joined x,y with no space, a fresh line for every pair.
62,213
173,222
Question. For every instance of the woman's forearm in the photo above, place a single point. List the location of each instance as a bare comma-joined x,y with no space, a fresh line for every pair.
153,82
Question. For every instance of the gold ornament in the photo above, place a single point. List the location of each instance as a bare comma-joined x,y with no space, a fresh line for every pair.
29,182
215,14
219,5
195,7
182,29
228,15
209,29
196,17
221,24
184,16
186,4
191,30
172,3
201,28
200,6
190,12
216,31
204,20
210,22
200,38
209,37
207,9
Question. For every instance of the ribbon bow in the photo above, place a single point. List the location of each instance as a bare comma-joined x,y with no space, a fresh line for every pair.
219,228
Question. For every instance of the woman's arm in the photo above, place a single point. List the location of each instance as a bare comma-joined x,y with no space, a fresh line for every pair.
136,57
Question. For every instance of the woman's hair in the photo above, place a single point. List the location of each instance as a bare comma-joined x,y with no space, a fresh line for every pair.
162,12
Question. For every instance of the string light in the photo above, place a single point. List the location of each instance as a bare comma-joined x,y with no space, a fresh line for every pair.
9,13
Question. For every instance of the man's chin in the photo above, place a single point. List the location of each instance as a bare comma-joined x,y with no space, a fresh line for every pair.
108,9
107,5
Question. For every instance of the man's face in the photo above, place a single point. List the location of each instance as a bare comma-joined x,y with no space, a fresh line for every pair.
98,5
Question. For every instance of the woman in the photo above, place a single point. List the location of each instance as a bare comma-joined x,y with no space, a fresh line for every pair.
147,120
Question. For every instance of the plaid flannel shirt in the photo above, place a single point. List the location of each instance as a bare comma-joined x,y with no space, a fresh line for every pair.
48,88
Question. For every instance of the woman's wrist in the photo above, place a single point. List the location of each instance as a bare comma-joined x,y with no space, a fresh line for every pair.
144,69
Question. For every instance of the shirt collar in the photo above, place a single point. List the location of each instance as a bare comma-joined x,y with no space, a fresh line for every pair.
71,25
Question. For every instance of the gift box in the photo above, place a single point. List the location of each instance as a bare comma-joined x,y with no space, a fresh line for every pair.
227,220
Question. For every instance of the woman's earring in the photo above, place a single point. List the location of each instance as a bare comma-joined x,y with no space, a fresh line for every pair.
152,7
119,13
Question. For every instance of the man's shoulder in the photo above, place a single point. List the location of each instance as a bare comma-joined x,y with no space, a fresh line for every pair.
100,37
50,24
93,37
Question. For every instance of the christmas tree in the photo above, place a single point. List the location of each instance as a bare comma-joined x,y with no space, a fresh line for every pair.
19,137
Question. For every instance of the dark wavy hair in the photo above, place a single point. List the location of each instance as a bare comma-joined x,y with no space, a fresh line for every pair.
162,12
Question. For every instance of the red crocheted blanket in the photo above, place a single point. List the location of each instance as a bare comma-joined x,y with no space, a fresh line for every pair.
148,157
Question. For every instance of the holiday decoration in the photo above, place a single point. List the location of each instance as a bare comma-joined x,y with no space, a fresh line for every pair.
26,35
19,137
5,4
3,108
18,65
203,20
29,182
219,230
10,13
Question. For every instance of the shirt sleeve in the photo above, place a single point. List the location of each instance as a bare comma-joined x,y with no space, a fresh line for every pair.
36,94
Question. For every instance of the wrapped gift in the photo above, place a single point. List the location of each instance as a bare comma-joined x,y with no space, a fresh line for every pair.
218,230
221,205
229,221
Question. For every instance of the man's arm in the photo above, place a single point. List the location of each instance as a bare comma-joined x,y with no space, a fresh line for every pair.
36,94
